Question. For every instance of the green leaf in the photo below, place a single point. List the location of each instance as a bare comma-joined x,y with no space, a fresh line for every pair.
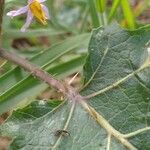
33,33
101,4
44,130
113,9
117,80
116,113
35,110
93,13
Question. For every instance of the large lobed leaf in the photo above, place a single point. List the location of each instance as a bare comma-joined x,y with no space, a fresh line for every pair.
116,116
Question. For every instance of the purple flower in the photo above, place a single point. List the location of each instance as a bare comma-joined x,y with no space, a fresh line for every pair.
36,9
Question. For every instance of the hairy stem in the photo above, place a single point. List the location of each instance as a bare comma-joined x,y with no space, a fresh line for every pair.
1,18
34,70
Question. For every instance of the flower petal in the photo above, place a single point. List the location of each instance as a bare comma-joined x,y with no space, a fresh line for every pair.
41,1
20,11
30,1
28,21
46,11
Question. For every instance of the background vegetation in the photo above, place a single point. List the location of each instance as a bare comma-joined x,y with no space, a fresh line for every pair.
60,48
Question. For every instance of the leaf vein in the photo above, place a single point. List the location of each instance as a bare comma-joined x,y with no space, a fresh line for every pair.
147,64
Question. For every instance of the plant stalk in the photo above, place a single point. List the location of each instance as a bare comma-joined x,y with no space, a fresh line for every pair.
33,69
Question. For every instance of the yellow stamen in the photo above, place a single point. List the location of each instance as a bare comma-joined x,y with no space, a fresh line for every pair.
38,12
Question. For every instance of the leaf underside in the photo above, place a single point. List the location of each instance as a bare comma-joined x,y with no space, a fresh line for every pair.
118,87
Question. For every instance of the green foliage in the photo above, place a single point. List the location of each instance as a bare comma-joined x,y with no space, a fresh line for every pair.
129,16
69,16
113,10
101,5
94,14
117,86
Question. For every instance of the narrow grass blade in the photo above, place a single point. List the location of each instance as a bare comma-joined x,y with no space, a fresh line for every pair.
94,14
113,9
101,5
128,14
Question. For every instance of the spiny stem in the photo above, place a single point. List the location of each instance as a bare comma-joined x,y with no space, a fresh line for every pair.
34,70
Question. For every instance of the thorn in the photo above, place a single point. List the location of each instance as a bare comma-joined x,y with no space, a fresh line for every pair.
73,78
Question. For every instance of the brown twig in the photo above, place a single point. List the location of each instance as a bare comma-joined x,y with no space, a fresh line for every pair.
67,90
33,69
